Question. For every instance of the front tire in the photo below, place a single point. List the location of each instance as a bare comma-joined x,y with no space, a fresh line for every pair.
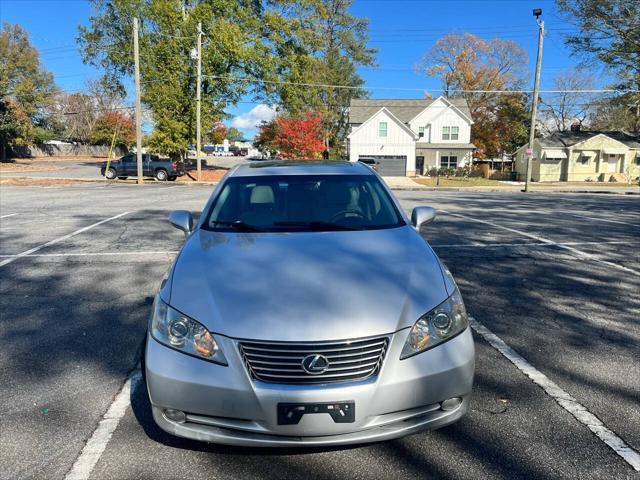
161,175
111,174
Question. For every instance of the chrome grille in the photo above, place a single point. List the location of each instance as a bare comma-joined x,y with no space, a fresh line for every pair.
282,362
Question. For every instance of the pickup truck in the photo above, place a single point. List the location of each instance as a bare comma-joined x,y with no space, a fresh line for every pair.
152,166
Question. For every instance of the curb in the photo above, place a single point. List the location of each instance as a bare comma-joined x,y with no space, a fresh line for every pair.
512,190
108,182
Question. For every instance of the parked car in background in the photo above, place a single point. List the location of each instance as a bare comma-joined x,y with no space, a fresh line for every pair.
241,152
152,166
360,335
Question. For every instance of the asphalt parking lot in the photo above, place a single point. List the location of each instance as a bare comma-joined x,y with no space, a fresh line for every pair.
555,277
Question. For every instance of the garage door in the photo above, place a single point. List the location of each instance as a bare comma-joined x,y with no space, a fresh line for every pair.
390,166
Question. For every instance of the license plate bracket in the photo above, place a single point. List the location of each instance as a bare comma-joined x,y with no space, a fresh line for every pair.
292,413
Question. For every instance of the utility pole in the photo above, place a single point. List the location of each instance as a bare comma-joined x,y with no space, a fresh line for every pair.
136,58
198,101
536,84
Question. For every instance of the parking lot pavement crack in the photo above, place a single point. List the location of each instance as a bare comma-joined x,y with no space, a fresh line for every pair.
564,399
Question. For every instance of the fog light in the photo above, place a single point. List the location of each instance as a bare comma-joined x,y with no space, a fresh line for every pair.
451,403
175,415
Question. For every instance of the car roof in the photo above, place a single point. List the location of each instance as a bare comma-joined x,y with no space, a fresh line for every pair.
292,167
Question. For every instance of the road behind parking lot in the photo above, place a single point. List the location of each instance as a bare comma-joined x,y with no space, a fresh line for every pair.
556,276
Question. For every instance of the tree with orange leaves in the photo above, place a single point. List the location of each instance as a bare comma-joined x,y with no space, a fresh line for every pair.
111,122
475,69
293,137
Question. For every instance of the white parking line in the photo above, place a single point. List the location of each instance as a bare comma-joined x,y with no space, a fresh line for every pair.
518,210
95,446
575,213
94,254
549,242
608,220
59,239
565,400
528,244
8,215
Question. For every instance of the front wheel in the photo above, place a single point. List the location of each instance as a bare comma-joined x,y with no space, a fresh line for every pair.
111,173
161,175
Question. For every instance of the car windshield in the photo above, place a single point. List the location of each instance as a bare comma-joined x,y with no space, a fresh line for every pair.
291,203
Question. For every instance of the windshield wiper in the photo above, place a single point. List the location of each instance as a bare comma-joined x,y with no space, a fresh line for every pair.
316,225
238,225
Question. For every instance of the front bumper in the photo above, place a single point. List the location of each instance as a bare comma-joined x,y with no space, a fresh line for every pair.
225,405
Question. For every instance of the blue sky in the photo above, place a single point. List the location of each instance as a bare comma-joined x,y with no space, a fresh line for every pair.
401,30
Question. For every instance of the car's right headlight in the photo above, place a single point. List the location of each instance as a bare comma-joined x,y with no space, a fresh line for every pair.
437,326
177,331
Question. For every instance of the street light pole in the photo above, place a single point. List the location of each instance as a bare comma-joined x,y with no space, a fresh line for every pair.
136,58
198,101
536,84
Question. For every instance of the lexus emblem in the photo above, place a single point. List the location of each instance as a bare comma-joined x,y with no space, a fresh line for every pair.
315,364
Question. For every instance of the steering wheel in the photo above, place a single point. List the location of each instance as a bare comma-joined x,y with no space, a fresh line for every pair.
344,213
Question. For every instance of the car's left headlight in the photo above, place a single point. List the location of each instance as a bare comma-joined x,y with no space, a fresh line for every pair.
177,331
437,326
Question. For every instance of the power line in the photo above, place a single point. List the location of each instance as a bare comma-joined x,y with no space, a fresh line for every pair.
452,91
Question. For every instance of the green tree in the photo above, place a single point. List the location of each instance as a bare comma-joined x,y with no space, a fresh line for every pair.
235,45
609,33
234,135
26,88
322,44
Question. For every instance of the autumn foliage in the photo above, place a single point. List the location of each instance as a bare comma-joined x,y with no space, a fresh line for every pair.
293,137
477,69
111,122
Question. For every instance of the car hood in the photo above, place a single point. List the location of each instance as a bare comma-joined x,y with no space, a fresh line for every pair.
306,286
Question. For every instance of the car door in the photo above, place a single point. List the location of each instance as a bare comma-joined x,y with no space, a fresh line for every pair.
147,165
126,163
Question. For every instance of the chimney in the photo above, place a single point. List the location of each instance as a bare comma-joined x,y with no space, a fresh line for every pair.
575,127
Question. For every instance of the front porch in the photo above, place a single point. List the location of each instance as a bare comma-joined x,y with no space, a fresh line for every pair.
430,156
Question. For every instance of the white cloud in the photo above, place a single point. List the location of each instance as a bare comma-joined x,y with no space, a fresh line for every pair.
251,119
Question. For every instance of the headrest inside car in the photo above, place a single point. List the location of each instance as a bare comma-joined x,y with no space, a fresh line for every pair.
262,194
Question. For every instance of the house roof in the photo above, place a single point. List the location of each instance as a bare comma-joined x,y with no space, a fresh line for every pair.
567,139
404,109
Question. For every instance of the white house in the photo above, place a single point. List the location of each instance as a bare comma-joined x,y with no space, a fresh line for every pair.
410,136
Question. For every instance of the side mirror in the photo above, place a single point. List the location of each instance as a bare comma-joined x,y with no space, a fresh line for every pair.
182,220
422,216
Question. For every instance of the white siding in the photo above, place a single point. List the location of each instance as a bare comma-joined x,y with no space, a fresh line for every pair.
425,117
439,115
398,141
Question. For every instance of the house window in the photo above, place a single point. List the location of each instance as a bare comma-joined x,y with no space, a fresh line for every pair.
446,133
454,133
449,161
420,132
382,129
584,159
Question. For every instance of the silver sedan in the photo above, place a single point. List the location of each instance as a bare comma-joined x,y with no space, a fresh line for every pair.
305,309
